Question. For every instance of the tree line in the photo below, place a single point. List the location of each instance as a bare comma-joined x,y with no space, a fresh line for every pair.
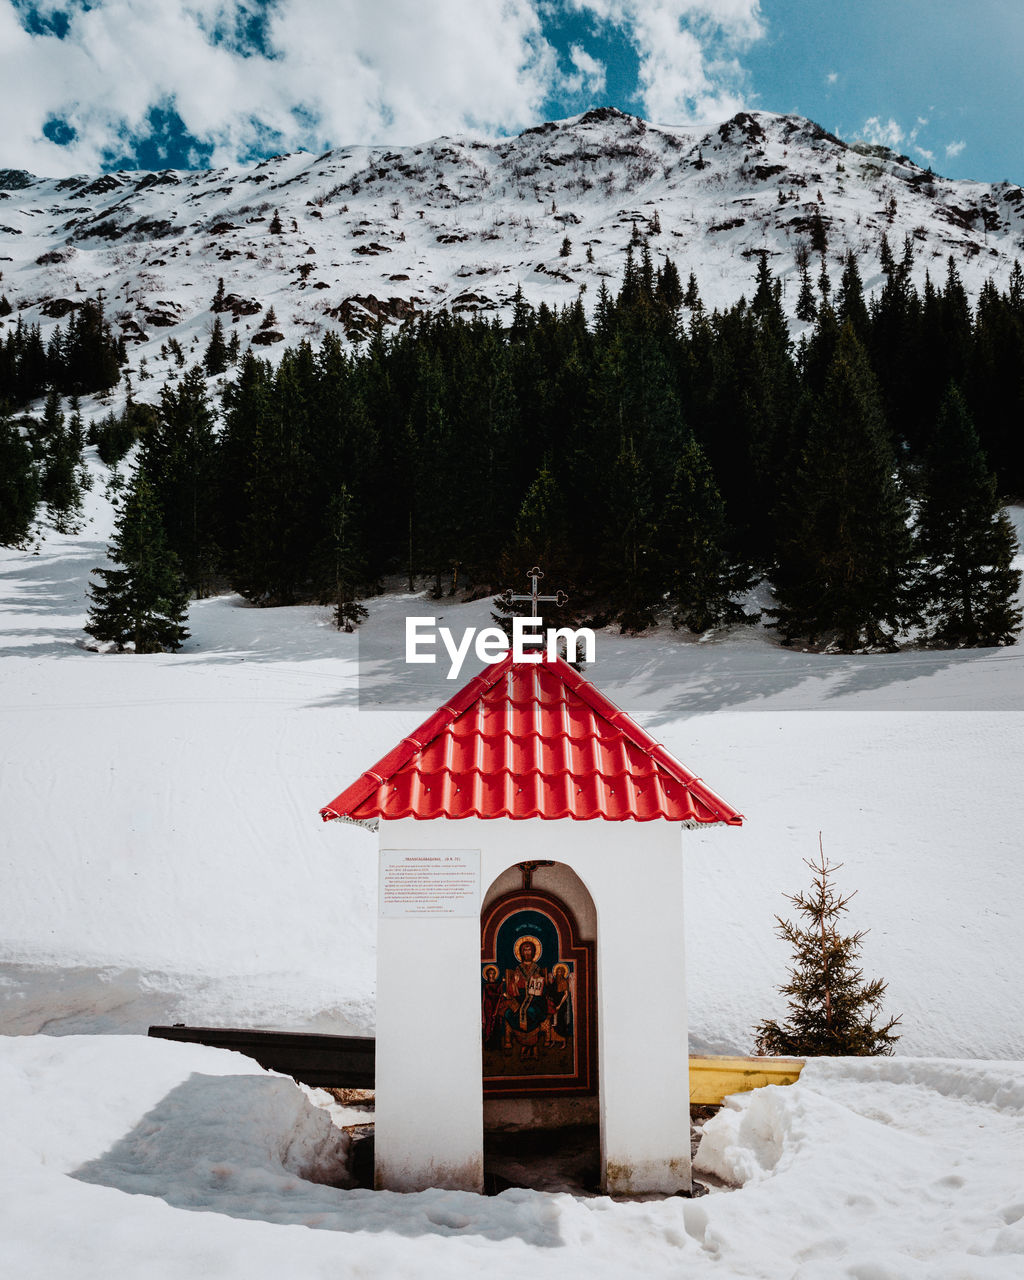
81,358
656,459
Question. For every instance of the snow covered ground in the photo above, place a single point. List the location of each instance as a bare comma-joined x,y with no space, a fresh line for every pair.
162,860
141,1158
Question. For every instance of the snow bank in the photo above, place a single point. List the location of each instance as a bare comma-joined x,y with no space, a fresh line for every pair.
875,1168
864,1170
160,1118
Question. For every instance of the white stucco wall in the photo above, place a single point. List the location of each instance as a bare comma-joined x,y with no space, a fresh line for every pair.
429,1112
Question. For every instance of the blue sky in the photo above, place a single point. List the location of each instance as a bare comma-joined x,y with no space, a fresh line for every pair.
91,84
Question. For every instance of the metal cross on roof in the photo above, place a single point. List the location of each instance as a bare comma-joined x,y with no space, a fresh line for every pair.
535,574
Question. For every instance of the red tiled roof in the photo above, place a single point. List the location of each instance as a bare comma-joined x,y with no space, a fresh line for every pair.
530,740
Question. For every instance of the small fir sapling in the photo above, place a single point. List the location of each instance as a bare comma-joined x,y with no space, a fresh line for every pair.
832,1010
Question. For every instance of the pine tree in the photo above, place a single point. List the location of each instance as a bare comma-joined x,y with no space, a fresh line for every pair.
819,235
896,348
806,307
604,312
995,389
965,540
540,535
89,360
64,477
273,528
703,580
76,425
767,301
668,288
144,603
630,290
742,418
566,248
843,564
850,307
522,314
832,1010
178,455
215,358
113,436
1016,290
630,563
955,311
824,283
19,484
885,257
275,227
646,275
346,564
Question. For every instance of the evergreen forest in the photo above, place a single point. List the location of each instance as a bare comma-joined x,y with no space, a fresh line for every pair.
657,459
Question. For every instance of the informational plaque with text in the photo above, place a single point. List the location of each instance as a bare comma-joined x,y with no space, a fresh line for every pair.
430,882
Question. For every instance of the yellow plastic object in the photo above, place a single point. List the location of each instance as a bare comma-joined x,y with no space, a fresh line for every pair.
712,1079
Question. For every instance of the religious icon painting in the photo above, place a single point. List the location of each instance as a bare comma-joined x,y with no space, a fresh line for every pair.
537,1003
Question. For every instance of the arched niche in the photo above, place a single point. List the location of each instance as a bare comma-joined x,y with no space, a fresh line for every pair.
556,878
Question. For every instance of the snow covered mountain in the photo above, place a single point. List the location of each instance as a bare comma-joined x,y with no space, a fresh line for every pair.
461,222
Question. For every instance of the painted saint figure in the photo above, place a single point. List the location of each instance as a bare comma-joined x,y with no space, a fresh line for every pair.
492,1005
526,1012
560,1006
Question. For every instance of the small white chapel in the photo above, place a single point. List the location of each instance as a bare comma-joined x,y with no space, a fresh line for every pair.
531,963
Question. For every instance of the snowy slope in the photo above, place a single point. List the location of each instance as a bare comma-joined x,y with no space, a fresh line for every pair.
162,859
461,222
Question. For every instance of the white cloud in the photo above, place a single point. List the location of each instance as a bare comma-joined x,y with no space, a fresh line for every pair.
925,154
687,51
953,149
832,77
341,71
882,133
589,76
